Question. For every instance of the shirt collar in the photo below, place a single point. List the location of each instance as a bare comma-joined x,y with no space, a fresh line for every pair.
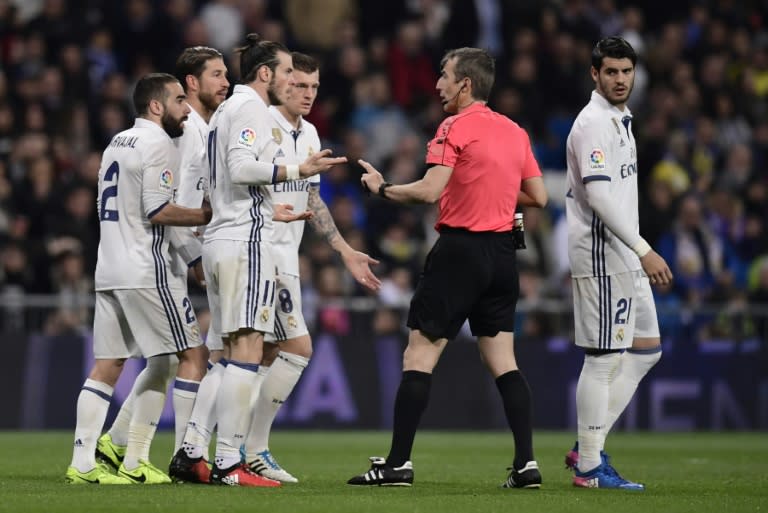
242,88
145,123
286,125
198,119
605,104
475,106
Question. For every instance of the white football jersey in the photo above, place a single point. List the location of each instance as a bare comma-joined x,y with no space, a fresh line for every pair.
136,180
601,147
192,180
295,147
241,125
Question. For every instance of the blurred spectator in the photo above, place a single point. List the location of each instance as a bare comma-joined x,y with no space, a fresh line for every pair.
223,24
314,25
700,107
410,67
397,288
378,118
694,253
72,286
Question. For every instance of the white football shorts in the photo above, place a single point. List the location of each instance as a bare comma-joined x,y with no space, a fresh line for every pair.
289,319
143,322
610,311
240,282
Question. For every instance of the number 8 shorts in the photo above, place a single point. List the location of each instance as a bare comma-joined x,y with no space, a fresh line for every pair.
289,320
610,311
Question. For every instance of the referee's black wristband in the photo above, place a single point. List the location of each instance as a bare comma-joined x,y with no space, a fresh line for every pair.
383,189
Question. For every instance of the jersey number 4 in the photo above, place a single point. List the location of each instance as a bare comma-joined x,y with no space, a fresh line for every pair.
106,214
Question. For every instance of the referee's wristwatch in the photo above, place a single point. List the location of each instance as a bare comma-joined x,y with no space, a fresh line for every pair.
383,189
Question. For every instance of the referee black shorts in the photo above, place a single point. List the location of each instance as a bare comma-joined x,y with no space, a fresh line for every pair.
467,275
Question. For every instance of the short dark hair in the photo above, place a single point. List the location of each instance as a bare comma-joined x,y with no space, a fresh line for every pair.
475,64
304,62
257,53
614,47
192,61
151,87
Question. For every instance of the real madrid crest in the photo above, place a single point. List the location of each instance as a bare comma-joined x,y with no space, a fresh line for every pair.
265,315
620,334
277,135
292,322
310,151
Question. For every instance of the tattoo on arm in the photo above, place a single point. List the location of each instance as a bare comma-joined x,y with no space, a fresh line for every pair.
321,220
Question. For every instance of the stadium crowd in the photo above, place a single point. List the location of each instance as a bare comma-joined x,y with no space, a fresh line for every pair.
700,109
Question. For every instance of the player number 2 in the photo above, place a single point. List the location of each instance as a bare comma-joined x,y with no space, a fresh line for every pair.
107,214
189,313
284,296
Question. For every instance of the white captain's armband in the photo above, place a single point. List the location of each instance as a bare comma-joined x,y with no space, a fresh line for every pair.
597,159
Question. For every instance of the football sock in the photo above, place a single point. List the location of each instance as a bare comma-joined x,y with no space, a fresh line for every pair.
410,402
516,396
592,393
92,407
279,381
203,418
184,393
119,429
635,364
238,385
150,387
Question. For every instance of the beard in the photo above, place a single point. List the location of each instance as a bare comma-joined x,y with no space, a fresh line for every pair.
608,94
173,127
274,99
208,100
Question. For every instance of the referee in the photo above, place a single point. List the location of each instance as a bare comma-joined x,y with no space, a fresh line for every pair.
482,167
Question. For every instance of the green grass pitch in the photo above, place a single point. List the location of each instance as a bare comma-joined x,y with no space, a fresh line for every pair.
454,472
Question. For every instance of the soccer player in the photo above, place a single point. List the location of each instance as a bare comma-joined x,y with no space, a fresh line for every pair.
237,252
611,264
138,310
290,346
482,168
203,75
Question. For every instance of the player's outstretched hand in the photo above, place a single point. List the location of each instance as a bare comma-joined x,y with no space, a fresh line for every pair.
284,213
371,179
656,268
359,264
318,162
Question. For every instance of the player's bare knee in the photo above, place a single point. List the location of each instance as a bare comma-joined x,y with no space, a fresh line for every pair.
107,370
300,346
215,355
270,352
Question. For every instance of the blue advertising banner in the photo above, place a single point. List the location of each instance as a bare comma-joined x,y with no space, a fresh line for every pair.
353,376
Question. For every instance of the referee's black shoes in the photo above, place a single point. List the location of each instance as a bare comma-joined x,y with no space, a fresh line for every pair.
382,474
526,477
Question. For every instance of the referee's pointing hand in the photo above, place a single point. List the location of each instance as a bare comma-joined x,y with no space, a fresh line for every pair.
371,179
